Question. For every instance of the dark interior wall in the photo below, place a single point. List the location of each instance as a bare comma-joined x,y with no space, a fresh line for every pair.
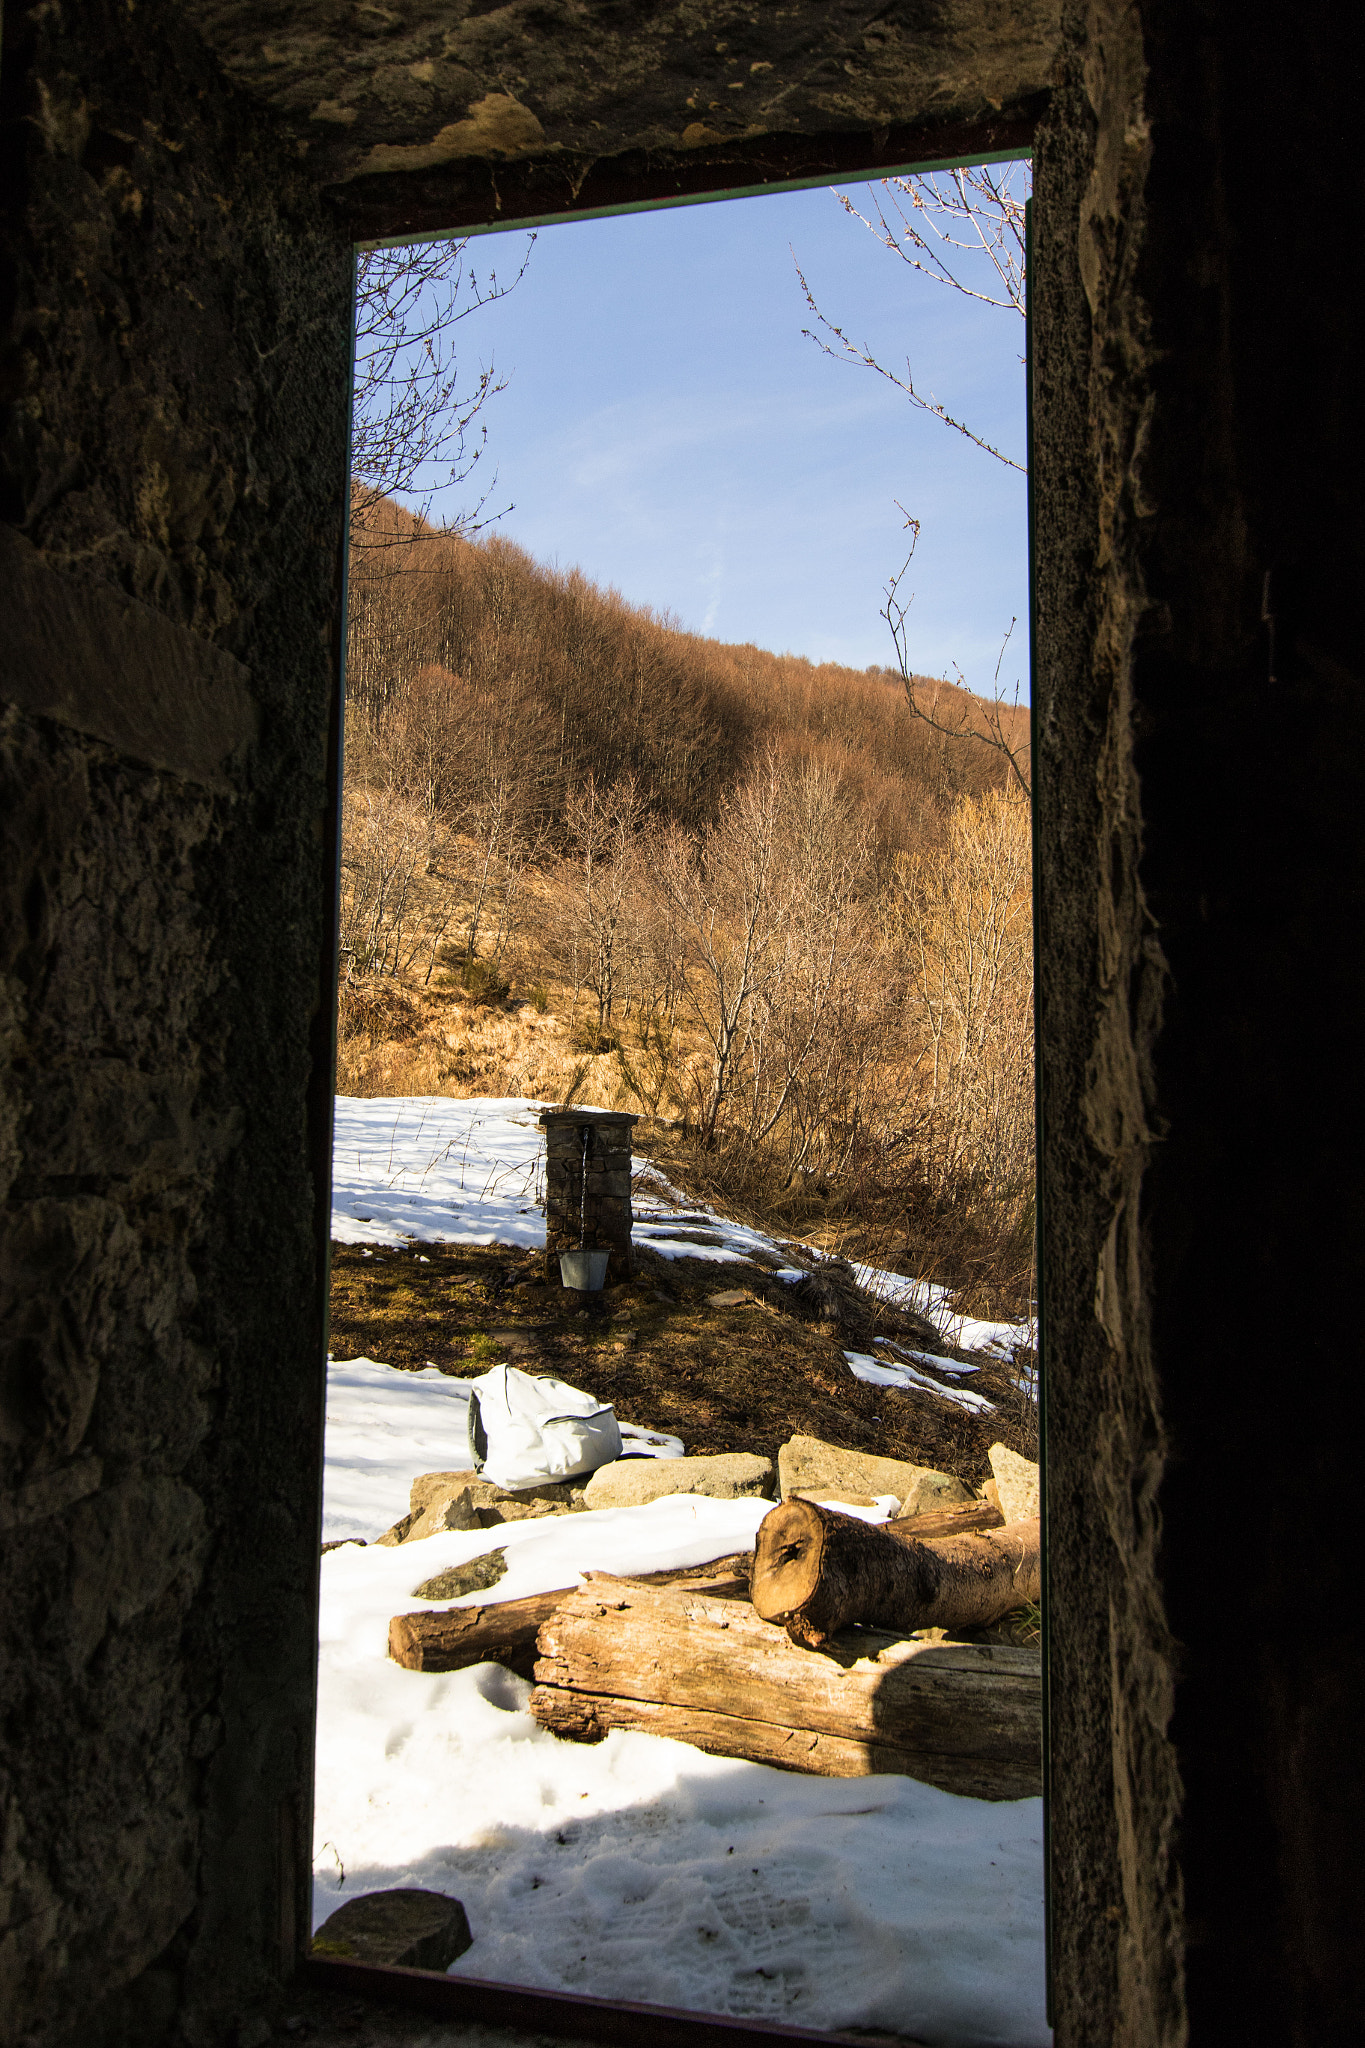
1251,740
173,368
1114,1790
174,374
1199,428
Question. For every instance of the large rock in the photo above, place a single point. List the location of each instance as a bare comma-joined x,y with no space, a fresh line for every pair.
630,1482
930,1491
410,1930
431,1486
824,1472
442,1512
1016,1481
461,1500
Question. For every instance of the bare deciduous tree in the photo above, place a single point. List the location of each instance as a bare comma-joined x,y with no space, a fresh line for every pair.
986,720
966,930
415,422
605,887
721,893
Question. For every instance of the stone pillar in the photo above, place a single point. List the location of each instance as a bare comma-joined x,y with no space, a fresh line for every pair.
595,1143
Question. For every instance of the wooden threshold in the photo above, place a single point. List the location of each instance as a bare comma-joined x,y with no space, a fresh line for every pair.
563,2013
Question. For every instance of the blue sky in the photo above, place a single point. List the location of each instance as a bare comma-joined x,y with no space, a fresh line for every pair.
668,430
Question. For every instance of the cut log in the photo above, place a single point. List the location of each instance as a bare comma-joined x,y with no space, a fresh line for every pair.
817,1571
452,1638
967,1518
680,1662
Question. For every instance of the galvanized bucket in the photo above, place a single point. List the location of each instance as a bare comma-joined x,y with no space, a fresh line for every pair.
584,1271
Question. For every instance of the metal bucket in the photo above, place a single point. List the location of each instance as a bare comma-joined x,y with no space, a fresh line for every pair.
584,1271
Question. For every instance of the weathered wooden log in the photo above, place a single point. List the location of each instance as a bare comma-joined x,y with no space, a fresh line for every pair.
680,1662
817,1571
452,1638
965,1518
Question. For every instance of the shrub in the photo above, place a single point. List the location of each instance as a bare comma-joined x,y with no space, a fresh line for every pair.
376,1011
587,1038
482,980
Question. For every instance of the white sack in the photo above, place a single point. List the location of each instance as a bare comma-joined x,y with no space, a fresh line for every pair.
537,1430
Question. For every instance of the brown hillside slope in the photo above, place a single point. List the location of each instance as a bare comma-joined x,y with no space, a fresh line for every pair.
570,680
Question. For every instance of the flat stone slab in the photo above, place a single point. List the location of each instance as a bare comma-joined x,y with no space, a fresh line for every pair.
823,1471
1016,1482
409,1930
631,1482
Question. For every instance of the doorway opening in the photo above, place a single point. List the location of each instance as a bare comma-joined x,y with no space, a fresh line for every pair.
611,851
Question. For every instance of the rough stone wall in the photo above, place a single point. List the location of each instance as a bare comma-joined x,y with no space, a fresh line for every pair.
587,1194
1113,1783
443,111
172,458
1198,417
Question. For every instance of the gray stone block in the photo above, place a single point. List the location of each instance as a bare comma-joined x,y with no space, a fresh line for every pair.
1016,1482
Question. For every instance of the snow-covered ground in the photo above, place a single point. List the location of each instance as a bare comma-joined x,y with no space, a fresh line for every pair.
430,1169
636,1868
639,1868
438,1171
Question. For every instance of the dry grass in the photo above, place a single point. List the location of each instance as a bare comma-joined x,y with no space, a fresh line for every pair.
453,1046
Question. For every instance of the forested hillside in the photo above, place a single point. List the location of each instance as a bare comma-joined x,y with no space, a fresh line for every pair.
554,680
587,853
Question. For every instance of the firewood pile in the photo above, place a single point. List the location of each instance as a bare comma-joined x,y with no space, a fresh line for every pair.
839,1647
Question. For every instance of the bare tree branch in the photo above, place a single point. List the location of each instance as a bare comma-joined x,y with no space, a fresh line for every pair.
987,199
415,426
941,223
944,224
897,614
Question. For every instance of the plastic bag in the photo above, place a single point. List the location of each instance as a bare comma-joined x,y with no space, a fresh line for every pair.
525,1431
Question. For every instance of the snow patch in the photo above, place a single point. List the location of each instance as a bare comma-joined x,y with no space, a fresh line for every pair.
437,1170
877,1374
637,1868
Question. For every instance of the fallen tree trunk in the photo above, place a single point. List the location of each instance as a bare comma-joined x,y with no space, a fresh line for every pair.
452,1638
680,1662
817,1571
